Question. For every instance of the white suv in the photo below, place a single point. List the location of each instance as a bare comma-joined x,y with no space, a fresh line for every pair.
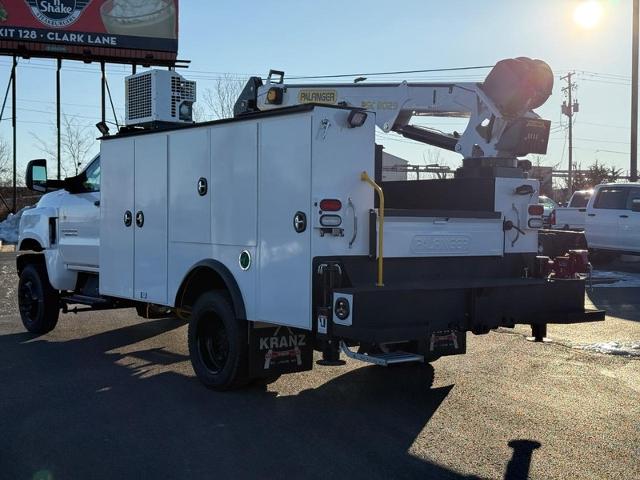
613,218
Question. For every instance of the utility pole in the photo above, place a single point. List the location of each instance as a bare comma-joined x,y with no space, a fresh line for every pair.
569,107
633,168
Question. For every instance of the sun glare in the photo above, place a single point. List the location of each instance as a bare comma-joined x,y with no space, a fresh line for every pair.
588,13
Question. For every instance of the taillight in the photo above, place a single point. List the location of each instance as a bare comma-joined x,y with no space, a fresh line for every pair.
536,210
552,219
330,205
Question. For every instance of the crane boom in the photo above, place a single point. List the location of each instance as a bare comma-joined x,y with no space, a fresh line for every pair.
502,123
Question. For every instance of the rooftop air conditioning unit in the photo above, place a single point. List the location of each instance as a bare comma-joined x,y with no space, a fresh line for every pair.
159,97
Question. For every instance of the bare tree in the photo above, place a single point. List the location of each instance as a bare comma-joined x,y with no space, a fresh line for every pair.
76,143
6,165
219,101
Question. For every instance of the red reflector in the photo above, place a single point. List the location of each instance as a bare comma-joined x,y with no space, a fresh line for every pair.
330,205
536,209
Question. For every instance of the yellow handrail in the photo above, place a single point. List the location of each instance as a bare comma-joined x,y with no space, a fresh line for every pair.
364,176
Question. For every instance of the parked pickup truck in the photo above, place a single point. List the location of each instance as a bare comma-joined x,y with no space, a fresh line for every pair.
613,219
573,216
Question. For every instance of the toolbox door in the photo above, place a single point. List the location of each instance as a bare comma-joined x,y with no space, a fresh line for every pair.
284,249
150,219
116,217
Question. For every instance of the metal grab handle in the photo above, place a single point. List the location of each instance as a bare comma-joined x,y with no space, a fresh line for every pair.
355,222
364,176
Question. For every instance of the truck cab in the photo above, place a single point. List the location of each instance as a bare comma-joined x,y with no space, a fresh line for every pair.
613,219
64,224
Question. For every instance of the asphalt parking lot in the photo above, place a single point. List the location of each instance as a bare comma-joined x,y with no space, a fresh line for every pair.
109,395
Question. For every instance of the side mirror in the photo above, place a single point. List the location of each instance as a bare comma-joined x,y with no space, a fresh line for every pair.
635,205
36,176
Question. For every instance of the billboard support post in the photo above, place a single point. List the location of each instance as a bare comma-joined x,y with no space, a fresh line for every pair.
14,125
59,61
103,81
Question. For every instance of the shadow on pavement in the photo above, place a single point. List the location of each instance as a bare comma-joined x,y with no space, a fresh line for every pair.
619,302
520,463
73,410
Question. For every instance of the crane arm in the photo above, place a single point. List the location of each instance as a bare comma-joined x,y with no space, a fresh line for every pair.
502,123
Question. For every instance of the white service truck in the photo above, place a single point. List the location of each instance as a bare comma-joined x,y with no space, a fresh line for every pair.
274,235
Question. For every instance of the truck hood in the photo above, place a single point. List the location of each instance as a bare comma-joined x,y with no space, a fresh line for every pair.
51,199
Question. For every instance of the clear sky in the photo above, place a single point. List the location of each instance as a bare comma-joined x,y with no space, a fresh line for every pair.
331,37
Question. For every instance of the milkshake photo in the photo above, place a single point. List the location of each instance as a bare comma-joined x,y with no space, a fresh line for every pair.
140,18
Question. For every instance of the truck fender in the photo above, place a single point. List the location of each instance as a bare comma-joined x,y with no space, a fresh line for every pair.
29,243
207,275
35,225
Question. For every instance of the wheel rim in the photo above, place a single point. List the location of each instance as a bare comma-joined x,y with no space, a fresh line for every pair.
30,300
213,343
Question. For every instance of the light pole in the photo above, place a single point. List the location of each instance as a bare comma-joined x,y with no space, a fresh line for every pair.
633,168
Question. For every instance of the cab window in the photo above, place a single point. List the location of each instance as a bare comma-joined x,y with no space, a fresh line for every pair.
612,198
92,174
580,200
634,197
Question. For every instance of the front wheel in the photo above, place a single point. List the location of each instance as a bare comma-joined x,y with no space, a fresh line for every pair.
38,302
218,344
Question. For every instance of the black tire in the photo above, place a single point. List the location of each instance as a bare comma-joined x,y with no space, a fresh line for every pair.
38,302
218,344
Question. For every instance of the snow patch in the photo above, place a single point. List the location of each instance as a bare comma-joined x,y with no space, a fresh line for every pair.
629,349
9,227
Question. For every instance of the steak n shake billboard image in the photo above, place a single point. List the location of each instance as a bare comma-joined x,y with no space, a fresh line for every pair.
125,31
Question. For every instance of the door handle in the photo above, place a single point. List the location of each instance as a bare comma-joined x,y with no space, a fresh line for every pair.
591,214
97,203
582,209
140,219
128,217
624,216
355,222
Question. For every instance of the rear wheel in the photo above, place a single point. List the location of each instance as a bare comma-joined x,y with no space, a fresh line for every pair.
218,344
38,302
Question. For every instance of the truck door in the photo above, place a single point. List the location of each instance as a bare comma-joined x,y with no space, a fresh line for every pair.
150,219
604,219
630,223
284,248
79,221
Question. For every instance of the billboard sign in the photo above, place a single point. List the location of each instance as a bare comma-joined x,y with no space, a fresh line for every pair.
123,31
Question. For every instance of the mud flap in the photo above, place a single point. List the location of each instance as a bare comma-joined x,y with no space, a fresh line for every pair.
274,350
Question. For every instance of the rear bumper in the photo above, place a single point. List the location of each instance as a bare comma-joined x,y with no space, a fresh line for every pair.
409,313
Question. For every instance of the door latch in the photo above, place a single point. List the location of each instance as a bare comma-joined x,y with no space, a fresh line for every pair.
300,222
202,186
